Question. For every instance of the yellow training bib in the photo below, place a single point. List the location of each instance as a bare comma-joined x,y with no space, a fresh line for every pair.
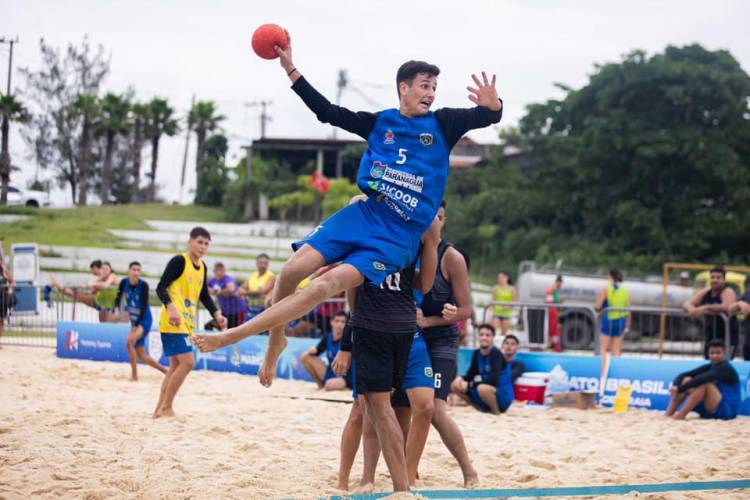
185,293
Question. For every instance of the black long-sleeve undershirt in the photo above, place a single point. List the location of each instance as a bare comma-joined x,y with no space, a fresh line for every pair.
497,365
174,269
142,300
722,372
517,370
454,122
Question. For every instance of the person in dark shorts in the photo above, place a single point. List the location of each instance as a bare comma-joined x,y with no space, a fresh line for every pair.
322,373
381,361
438,323
711,390
135,292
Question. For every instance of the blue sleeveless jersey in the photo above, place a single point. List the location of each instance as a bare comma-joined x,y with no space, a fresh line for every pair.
133,303
332,348
406,166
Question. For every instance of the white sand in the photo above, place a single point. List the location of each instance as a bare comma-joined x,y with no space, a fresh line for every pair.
81,429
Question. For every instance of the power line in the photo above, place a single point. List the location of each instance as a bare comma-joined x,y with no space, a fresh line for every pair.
10,59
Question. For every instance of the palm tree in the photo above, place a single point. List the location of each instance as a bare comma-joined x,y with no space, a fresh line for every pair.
139,116
113,122
12,110
203,119
160,121
87,108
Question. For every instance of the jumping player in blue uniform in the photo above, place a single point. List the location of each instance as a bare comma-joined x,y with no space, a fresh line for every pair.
387,356
712,390
135,291
403,173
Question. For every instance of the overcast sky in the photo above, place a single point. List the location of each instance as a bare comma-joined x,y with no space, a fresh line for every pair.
176,48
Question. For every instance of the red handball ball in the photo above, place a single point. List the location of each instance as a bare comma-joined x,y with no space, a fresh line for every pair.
265,37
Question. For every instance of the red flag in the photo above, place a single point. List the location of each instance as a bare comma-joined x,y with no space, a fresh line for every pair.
320,182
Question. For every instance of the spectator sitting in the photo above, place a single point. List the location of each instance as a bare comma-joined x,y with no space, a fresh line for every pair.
741,310
481,385
715,300
321,374
712,390
515,368
223,287
98,294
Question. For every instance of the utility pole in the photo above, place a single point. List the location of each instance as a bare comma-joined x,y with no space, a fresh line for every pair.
10,59
185,154
264,117
341,86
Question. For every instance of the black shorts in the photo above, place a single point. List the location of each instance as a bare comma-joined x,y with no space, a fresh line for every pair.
380,359
443,351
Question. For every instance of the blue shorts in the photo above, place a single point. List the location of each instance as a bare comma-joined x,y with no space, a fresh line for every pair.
146,328
418,373
367,236
613,327
723,412
503,402
176,343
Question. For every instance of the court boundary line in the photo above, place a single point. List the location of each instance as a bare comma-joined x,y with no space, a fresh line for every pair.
567,491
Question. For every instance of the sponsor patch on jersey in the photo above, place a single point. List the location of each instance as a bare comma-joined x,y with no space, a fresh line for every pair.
374,185
390,137
409,201
378,169
378,265
425,139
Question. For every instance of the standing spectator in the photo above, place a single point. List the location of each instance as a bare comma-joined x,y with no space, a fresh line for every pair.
258,286
224,288
7,299
714,301
712,390
552,296
504,291
741,310
615,322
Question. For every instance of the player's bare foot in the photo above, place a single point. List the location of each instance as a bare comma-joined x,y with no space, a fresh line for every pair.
134,379
364,489
471,481
208,343
164,413
267,372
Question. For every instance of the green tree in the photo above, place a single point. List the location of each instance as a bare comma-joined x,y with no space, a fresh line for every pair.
87,108
139,117
114,121
338,195
214,179
53,133
160,121
203,118
12,111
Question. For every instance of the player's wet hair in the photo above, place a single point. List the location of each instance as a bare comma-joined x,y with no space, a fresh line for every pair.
199,231
410,69
486,326
511,337
134,263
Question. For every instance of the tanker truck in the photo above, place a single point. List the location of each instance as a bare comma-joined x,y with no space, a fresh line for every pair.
578,327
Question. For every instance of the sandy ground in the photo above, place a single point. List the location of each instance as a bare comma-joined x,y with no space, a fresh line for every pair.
80,429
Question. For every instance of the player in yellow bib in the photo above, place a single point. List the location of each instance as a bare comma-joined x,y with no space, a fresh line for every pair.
258,286
181,286
504,291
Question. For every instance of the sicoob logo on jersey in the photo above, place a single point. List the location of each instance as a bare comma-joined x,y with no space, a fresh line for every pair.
390,138
425,139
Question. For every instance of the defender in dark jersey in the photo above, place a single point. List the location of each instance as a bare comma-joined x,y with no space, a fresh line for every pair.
403,172
712,390
442,338
382,325
135,291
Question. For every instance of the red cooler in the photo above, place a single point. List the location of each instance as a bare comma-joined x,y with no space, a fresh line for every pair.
530,387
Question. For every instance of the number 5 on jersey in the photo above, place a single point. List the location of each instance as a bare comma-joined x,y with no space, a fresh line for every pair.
401,156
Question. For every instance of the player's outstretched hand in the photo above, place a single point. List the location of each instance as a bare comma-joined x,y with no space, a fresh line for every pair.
341,363
285,56
485,93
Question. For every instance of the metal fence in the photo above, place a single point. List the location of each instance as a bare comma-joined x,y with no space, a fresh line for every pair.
30,314
653,330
